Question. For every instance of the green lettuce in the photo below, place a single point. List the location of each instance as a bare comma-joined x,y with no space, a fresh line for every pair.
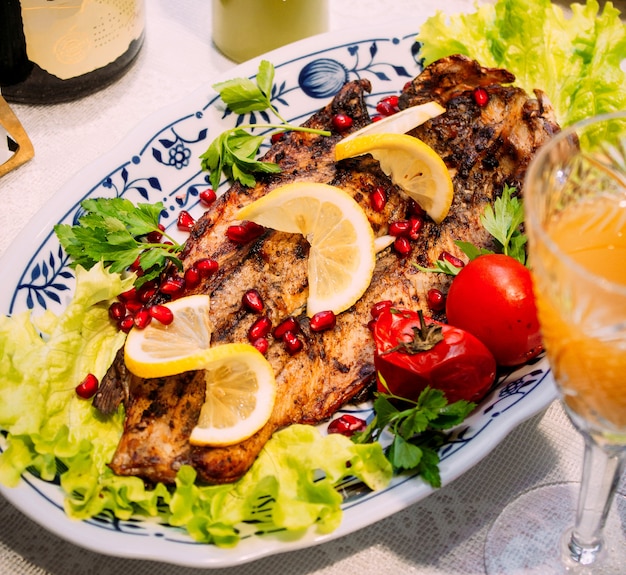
43,359
575,59
56,435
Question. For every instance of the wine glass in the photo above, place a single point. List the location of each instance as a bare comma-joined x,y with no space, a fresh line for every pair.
575,204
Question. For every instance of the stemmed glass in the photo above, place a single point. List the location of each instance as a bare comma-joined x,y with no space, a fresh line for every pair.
575,202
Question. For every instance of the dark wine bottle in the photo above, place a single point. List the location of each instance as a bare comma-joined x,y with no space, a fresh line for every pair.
58,50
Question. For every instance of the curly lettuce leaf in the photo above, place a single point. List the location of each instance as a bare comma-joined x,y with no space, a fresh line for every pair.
291,486
575,58
43,359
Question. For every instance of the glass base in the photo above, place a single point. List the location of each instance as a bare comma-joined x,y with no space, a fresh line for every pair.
529,535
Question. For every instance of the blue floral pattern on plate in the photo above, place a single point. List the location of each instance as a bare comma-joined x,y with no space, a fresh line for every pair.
159,162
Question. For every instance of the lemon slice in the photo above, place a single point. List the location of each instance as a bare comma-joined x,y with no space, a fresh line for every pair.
411,164
401,122
342,255
240,395
160,350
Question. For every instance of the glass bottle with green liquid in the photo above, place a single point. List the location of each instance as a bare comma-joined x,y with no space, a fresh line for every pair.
243,29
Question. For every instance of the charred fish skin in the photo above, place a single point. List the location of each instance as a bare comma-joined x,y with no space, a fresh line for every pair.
484,147
504,133
113,389
144,450
208,236
160,415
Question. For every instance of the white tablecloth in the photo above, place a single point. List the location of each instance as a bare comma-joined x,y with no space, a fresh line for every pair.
440,535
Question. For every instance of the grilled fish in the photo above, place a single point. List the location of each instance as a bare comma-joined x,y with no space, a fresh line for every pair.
484,145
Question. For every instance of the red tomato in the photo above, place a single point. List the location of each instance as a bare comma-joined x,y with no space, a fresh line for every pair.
458,364
492,298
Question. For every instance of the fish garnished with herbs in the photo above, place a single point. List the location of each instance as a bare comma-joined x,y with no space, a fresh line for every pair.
332,367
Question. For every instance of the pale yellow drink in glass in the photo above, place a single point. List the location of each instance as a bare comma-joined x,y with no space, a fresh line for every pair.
584,330
575,218
243,29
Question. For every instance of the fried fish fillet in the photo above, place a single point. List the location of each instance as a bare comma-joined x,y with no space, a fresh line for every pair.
484,145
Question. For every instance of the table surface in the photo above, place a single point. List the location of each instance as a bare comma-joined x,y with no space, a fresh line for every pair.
444,533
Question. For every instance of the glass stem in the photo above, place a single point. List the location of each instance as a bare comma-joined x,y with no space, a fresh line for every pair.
602,467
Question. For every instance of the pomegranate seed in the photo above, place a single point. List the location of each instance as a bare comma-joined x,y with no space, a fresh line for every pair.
416,227
376,118
206,266
385,108
402,246
261,344
342,122
287,325
392,100
135,266
244,233
173,286
380,307
161,313
481,97
400,228
436,299
207,197
142,318
252,301
126,323
448,257
87,387
416,210
128,295
155,237
323,320
117,310
133,306
277,137
192,277
146,292
378,199
185,221
292,342
346,425
260,328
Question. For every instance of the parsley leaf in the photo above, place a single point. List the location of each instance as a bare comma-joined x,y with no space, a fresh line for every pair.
471,251
503,222
418,429
242,95
441,266
233,153
115,231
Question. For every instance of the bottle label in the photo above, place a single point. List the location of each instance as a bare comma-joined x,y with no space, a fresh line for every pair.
69,38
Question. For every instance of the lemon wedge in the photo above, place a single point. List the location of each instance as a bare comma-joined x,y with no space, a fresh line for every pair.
240,395
160,350
411,164
342,254
401,122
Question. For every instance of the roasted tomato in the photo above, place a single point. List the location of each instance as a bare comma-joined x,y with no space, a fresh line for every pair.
413,352
492,298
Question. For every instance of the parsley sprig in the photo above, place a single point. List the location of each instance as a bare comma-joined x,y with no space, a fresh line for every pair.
418,429
234,152
504,222
115,231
